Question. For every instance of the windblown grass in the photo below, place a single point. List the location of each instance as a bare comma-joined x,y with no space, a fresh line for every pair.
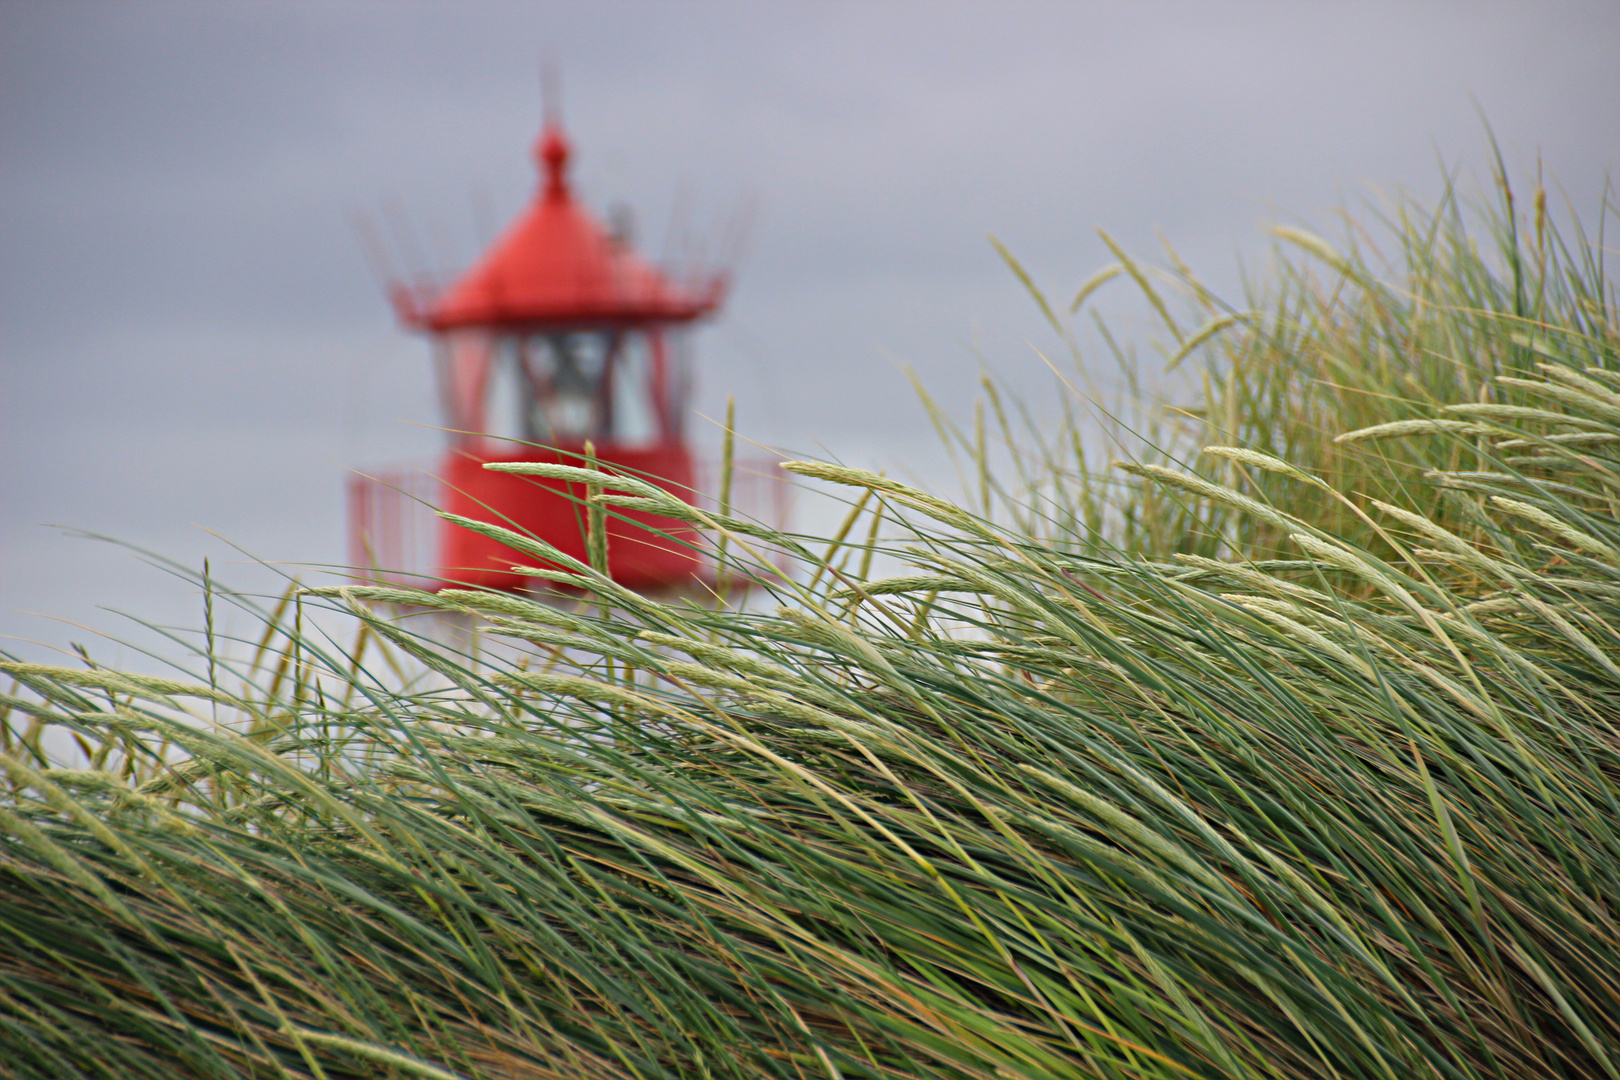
1420,314
1337,795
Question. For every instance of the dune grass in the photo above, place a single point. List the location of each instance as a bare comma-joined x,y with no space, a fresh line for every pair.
1302,761
1418,313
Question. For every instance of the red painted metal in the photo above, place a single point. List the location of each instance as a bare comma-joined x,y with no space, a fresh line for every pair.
554,511
556,266
561,305
394,535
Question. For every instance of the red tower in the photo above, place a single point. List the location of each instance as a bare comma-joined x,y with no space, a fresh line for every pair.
561,335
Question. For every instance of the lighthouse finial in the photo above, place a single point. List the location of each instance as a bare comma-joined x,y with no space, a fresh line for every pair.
552,146
550,92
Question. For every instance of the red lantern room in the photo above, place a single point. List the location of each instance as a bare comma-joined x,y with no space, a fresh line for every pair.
561,335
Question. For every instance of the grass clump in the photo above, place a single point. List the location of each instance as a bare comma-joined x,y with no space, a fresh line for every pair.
1430,316
1311,800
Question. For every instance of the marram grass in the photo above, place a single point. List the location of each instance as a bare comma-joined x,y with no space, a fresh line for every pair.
1426,316
1322,803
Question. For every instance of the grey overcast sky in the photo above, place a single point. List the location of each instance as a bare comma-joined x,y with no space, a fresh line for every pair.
191,340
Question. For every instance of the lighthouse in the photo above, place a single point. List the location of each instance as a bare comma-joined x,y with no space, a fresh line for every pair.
561,337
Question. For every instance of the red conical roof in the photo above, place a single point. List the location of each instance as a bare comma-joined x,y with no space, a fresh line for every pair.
557,266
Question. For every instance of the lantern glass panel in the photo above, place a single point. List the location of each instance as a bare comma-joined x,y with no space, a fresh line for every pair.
506,400
678,362
635,419
568,383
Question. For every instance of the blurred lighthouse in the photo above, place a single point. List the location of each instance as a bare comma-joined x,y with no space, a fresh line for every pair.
561,335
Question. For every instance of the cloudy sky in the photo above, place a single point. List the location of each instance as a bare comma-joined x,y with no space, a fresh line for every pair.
192,344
